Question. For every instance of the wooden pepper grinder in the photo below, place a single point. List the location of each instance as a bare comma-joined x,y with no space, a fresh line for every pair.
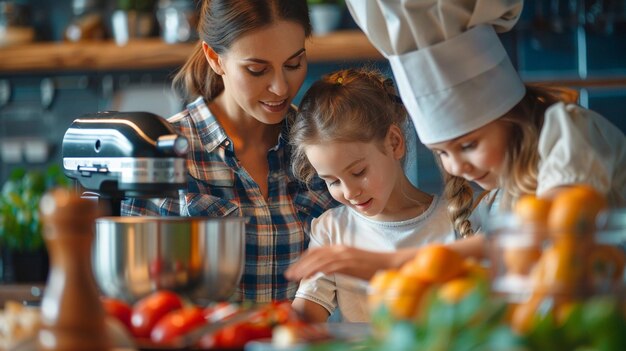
72,315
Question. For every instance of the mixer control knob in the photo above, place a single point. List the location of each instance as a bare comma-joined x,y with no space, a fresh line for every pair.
173,144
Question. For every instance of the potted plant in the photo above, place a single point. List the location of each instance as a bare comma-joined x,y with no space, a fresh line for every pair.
325,15
132,19
23,255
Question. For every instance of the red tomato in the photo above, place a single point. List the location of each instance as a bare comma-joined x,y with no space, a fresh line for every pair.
118,309
281,312
236,336
275,313
258,326
148,311
176,323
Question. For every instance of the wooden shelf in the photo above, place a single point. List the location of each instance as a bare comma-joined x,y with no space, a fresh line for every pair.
21,292
350,45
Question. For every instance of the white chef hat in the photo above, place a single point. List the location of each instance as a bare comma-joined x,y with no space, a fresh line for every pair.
453,73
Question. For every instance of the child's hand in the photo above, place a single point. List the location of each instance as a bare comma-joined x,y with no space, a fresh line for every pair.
340,259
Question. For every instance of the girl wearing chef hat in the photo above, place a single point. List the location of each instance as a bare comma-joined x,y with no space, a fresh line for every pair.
469,105
349,132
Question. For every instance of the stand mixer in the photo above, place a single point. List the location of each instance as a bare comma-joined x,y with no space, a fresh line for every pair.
118,155
112,156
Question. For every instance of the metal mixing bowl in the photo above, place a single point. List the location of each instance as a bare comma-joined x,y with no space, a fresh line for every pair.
200,258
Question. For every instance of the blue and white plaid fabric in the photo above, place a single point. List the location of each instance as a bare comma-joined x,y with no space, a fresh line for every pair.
278,229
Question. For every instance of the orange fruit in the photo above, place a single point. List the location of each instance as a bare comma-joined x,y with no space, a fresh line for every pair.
456,289
560,268
474,269
404,295
525,314
532,209
381,279
379,284
434,264
520,260
574,210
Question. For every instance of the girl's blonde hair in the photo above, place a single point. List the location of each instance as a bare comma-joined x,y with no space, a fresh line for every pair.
221,23
351,105
522,156
460,196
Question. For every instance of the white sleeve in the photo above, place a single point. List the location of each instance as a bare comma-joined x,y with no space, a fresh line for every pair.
319,230
320,289
575,147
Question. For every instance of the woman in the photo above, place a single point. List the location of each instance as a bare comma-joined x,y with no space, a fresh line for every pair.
240,83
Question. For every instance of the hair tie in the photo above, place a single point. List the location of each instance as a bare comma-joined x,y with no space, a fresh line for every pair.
339,80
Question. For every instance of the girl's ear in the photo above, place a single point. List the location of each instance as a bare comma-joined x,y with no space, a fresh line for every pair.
395,138
212,58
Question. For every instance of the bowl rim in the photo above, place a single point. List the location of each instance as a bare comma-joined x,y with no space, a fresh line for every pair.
166,219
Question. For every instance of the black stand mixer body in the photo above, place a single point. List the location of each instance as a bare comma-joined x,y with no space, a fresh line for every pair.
118,155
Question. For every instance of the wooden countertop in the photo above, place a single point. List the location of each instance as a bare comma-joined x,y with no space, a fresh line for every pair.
348,45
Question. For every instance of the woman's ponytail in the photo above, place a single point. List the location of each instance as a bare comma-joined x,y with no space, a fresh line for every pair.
196,78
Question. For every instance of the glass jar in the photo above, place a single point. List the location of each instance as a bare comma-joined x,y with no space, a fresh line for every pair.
557,281
178,20
527,258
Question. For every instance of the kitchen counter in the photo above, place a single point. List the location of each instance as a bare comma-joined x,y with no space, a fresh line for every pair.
347,45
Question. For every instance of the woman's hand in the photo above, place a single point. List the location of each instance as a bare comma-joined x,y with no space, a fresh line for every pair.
346,260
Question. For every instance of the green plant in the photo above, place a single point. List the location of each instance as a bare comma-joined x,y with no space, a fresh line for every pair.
316,2
20,228
136,5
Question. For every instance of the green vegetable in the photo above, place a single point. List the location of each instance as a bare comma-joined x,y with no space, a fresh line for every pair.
597,323
474,323
20,228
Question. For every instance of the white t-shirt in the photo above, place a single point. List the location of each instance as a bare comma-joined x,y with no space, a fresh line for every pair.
345,226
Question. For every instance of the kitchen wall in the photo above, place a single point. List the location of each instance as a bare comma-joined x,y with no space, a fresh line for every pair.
576,41
579,43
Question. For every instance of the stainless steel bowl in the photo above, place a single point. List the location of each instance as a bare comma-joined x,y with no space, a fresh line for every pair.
200,258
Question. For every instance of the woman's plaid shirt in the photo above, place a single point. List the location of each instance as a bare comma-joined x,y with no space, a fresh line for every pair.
277,231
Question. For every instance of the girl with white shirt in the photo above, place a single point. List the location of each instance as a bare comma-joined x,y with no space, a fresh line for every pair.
349,132
470,106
